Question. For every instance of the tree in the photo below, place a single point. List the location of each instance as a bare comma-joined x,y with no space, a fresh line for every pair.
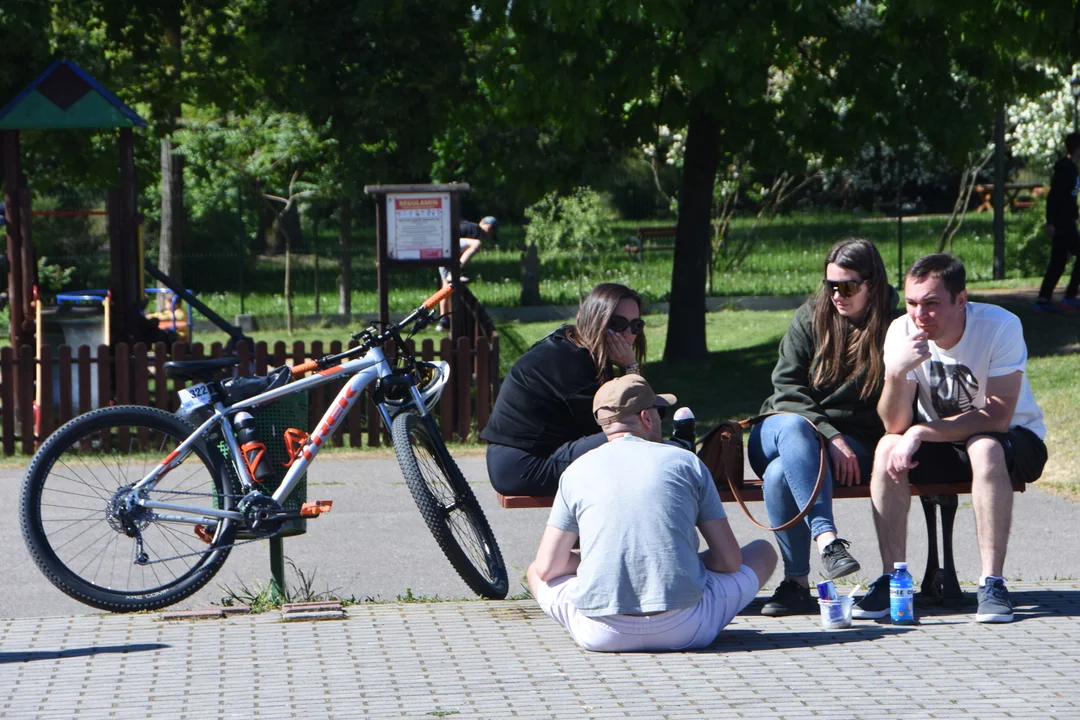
261,150
381,78
822,75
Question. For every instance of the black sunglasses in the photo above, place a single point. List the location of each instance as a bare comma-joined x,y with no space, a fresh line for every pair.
619,324
846,288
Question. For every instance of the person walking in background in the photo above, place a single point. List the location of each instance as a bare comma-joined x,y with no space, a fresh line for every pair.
637,504
963,367
470,236
1061,215
830,372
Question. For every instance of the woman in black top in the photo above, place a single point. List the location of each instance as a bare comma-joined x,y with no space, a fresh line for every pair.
543,418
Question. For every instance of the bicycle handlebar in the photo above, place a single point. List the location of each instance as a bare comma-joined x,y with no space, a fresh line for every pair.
305,367
438,297
428,304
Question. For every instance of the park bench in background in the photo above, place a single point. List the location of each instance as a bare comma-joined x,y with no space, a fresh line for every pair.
637,246
939,584
1017,195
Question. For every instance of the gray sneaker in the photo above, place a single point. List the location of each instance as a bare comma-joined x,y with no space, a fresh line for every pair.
995,606
836,561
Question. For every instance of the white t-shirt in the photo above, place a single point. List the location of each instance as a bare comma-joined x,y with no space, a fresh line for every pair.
953,381
635,505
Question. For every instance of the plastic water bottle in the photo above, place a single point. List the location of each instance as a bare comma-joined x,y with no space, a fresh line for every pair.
684,427
901,595
254,451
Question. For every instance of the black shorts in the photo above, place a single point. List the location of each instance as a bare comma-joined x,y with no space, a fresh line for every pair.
519,472
1025,456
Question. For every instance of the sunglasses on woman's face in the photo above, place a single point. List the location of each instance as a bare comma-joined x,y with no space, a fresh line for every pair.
846,288
620,324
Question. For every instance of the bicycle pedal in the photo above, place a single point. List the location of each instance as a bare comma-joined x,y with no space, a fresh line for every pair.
315,508
204,533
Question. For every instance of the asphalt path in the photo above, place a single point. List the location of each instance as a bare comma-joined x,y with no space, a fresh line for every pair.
374,545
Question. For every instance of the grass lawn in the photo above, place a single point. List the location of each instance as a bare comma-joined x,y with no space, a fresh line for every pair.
785,259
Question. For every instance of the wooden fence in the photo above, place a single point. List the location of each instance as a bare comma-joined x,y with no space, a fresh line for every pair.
77,380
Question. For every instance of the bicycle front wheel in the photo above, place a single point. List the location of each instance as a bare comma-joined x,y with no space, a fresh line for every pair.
448,506
100,549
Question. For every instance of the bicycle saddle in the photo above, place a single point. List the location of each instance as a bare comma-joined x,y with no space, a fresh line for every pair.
200,370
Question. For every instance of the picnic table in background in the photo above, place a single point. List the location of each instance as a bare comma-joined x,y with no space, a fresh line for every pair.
1017,195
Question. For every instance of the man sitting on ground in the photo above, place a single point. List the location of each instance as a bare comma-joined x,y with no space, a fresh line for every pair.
636,503
965,363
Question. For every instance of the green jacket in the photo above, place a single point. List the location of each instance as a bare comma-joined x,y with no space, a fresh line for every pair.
839,410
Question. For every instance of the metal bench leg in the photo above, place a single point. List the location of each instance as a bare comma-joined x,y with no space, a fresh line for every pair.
931,590
952,595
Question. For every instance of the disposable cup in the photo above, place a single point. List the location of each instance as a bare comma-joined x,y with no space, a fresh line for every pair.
836,614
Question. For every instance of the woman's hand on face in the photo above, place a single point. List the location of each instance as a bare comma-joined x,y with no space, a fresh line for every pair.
844,463
620,350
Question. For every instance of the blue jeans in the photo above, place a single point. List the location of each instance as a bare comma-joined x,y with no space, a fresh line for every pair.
784,452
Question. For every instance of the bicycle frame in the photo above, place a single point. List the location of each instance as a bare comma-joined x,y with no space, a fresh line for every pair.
361,371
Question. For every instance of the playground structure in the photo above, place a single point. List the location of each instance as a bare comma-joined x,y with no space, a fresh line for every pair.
104,350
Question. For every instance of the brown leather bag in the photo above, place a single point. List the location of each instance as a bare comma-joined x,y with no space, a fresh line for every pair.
721,449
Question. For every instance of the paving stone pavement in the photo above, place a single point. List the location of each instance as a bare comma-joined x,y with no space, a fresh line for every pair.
506,659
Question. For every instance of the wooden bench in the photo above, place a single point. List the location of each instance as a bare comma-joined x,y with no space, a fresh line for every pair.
1017,195
939,583
637,245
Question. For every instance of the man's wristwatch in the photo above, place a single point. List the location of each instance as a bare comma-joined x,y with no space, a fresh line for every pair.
634,367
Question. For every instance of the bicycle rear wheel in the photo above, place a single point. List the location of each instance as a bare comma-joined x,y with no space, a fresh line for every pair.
448,506
81,533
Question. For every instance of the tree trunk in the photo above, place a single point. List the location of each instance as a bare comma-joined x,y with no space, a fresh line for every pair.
288,276
686,322
530,276
171,245
999,193
315,255
171,242
345,256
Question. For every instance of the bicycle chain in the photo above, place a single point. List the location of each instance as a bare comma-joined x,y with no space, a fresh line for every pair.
138,536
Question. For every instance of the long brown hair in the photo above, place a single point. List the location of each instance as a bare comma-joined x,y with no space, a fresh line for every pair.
846,348
590,330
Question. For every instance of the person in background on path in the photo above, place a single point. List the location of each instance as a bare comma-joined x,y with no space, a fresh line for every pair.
830,372
638,583
1061,215
542,420
963,365
470,236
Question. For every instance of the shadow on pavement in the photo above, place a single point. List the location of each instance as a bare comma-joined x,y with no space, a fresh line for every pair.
739,640
12,657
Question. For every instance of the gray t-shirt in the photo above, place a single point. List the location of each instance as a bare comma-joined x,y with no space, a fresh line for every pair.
636,504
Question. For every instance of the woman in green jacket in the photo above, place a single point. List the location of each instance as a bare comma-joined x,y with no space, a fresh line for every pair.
830,371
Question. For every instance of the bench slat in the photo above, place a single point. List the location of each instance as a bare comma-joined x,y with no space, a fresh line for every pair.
751,492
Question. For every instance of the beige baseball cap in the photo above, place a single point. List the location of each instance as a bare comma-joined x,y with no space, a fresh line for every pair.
627,396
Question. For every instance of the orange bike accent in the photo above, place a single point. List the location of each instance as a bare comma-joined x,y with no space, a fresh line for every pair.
438,297
295,440
253,460
204,534
305,367
316,508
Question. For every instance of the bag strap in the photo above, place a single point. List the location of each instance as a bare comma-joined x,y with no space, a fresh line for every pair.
818,484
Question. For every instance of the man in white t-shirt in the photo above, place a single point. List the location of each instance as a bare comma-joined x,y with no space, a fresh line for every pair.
962,365
636,504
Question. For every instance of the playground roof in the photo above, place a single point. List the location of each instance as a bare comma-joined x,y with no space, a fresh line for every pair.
65,96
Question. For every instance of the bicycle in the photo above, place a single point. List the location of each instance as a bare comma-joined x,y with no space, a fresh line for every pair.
132,508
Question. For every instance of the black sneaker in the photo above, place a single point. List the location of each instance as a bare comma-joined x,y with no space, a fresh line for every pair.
875,603
790,598
836,561
995,606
